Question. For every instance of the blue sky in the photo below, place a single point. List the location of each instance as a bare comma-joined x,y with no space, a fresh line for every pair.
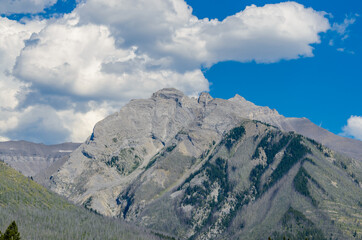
60,45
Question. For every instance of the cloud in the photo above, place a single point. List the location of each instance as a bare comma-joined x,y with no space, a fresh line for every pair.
8,121
342,28
168,28
139,22
4,139
341,33
79,124
59,77
83,62
353,128
265,34
12,37
43,122
39,122
12,90
24,6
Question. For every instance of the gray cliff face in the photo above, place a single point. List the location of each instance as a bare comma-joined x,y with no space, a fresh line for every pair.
32,158
149,163
123,144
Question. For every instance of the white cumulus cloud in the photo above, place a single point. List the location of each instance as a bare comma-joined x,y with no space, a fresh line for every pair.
24,6
168,28
12,37
80,123
353,127
83,61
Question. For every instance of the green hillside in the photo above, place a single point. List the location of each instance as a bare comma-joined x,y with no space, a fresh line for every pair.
41,214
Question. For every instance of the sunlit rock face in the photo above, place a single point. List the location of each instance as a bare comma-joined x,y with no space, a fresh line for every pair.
201,163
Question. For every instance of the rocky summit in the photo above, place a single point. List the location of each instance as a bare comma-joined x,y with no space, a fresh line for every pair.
209,168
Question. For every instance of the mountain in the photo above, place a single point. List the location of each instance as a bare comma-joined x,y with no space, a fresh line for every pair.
41,214
33,158
304,126
205,168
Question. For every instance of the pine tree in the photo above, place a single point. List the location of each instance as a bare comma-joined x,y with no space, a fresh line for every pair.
11,233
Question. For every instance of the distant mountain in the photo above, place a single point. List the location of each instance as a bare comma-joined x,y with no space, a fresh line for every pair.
205,168
41,214
33,158
304,126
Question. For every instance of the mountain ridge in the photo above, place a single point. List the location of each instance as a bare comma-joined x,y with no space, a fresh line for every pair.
137,161
209,168
33,158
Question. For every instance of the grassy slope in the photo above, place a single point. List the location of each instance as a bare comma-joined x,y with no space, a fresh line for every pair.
41,214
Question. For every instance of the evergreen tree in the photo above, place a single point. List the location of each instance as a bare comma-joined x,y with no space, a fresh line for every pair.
11,233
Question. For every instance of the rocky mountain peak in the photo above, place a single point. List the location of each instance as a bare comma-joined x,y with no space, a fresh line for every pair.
242,101
204,98
158,142
239,98
168,93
